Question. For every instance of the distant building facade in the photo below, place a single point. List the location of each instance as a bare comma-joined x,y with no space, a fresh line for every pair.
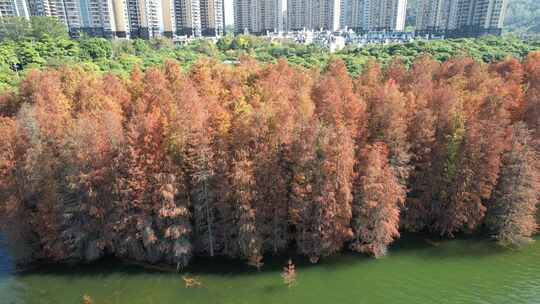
245,19
188,17
127,18
299,14
259,16
272,16
436,16
373,15
461,18
212,17
315,14
14,8
103,18
192,18
480,17
383,15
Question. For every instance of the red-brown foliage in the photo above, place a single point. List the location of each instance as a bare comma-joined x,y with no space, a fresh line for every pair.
377,203
247,160
512,211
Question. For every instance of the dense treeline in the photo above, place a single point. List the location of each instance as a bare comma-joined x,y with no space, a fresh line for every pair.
44,43
247,160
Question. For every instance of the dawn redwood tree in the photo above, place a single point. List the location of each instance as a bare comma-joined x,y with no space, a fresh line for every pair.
190,145
321,190
422,93
247,238
90,147
421,135
151,217
276,118
152,213
532,94
9,104
117,90
420,77
478,164
512,210
8,127
336,102
471,122
450,134
388,122
42,124
369,81
272,177
88,150
202,180
395,70
8,192
377,203
513,75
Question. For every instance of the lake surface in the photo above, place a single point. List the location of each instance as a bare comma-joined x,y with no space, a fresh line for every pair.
455,271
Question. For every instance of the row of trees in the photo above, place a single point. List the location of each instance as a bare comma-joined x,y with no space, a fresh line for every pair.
254,159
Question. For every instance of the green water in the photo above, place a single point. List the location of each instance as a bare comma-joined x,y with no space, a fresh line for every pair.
456,271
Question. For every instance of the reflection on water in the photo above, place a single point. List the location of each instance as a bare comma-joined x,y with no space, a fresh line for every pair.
457,271
5,261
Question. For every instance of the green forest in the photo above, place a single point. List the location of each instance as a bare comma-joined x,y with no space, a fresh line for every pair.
44,43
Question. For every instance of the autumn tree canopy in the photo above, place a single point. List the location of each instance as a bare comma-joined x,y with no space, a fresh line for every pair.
248,160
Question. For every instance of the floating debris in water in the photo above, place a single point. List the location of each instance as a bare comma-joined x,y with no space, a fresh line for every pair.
191,282
289,274
86,299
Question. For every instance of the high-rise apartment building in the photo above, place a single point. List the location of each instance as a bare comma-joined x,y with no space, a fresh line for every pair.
135,14
272,15
39,7
480,17
352,14
384,15
168,16
299,14
144,18
245,19
259,16
66,11
153,18
104,18
326,14
153,21
314,14
126,18
188,17
461,18
436,16
14,8
375,15
212,17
